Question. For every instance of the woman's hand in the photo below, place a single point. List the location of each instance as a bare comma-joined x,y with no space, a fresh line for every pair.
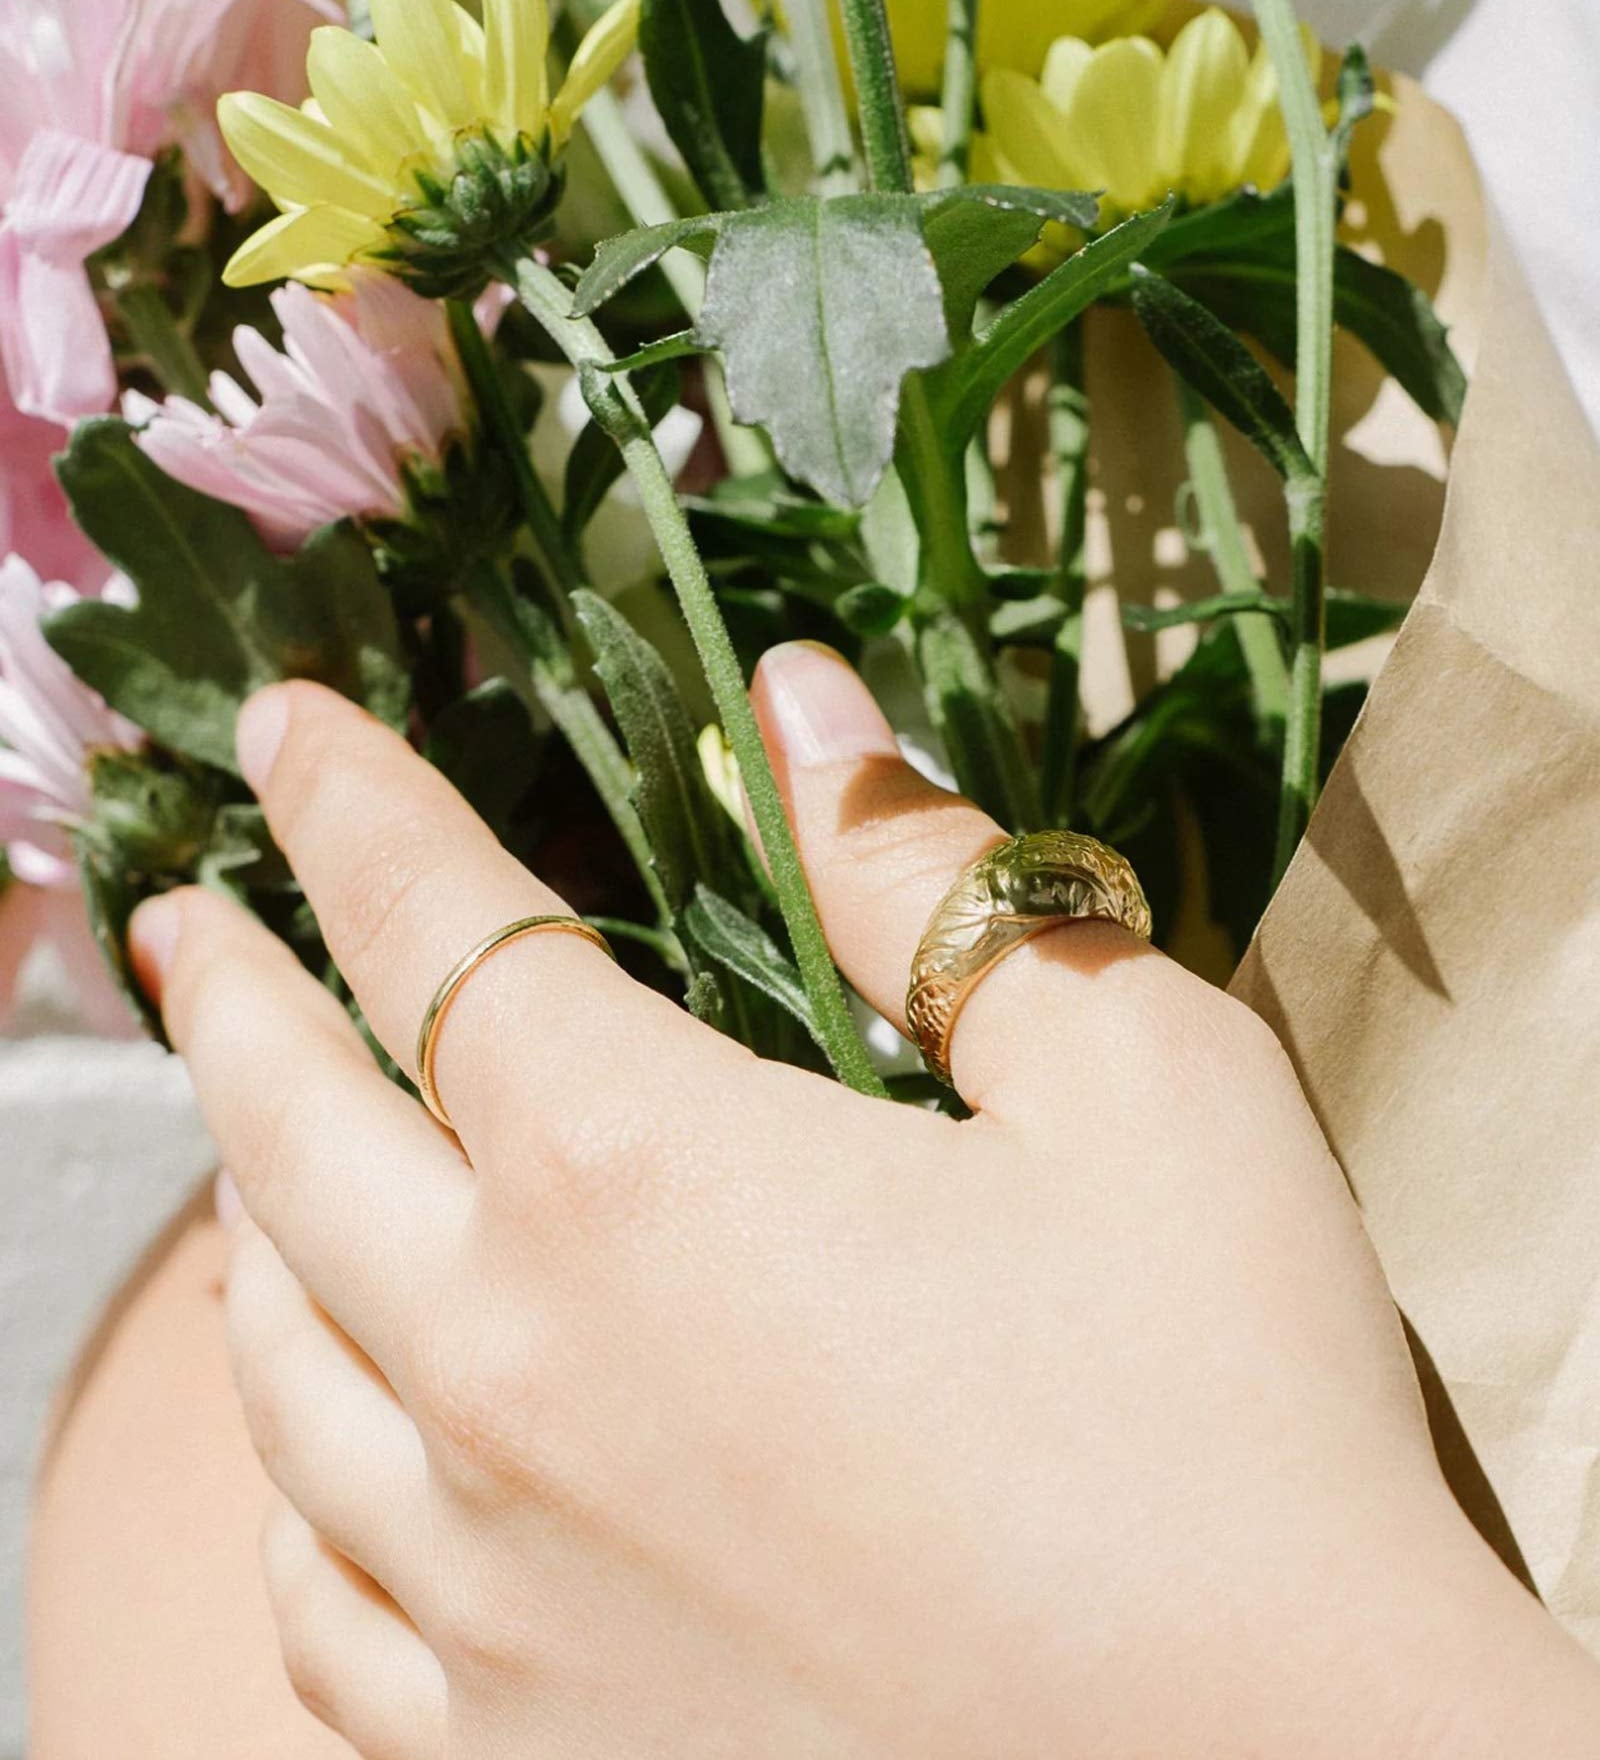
694,1406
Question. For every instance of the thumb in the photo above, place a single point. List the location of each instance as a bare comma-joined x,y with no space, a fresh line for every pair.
882,845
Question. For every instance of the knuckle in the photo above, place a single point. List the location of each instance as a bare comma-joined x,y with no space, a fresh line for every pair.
480,1402
380,885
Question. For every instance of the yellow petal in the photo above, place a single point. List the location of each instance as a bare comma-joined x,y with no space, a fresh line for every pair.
1017,33
1027,131
518,37
925,125
1063,67
1112,129
474,62
362,99
1201,86
308,243
299,161
421,41
609,43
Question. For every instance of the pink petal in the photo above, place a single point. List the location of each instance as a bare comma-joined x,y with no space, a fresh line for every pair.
70,198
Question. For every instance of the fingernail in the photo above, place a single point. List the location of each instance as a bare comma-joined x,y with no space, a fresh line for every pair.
153,939
230,1206
259,734
821,711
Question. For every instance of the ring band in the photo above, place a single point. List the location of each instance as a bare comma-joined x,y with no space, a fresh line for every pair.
1019,889
445,995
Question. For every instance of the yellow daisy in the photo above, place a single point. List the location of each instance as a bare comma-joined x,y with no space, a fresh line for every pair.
369,166
1013,35
1200,120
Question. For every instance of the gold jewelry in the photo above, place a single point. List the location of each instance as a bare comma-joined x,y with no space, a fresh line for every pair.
445,995
1018,890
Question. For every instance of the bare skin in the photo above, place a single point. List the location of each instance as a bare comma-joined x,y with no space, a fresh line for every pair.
687,1405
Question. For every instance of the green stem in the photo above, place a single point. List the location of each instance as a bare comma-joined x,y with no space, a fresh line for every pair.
635,181
1222,537
822,97
163,342
960,91
562,571
614,405
1069,446
1316,189
883,119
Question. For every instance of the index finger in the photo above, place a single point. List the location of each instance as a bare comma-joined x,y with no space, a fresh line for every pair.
405,879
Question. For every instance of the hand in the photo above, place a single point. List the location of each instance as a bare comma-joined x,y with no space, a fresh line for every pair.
694,1406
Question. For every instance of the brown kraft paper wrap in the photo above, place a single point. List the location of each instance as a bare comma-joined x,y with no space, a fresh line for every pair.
1432,960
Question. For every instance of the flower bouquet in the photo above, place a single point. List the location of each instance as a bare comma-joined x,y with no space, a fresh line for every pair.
994,345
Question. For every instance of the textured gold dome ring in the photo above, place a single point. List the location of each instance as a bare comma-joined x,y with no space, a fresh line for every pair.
1016,891
450,989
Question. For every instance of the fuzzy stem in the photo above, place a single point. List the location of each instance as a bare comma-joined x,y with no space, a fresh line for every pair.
960,91
163,342
883,119
822,96
1069,446
1222,536
615,407
1316,188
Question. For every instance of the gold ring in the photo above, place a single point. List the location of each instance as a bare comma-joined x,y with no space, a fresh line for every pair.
445,995
1018,890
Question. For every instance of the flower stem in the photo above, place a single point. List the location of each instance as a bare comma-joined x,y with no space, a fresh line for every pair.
1069,446
822,97
635,181
1316,189
1222,536
163,342
959,95
883,120
562,571
545,644
616,408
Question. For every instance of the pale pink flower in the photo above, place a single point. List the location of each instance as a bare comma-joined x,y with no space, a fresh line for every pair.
368,379
50,721
34,519
93,90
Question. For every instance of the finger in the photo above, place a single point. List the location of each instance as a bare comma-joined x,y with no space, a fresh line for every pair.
405,879
355,1661
882,845
326,1426
361,1192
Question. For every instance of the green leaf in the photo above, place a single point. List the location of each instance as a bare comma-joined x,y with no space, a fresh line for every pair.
708,84
624,258
1358,94
595,464
795,300
1391,316
690,836
962,391
1353,617
218,616
1219,366
1147,618
975,231
769,504
1244,223
870,609
1028,623
655,354
735,941
484,743
1397,322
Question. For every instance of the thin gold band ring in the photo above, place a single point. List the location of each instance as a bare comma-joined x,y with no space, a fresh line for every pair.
445,995
1016,891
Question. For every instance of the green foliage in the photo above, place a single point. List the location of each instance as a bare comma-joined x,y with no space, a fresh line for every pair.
975,231
707,82
1225,373
794,302
736,942
218,616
